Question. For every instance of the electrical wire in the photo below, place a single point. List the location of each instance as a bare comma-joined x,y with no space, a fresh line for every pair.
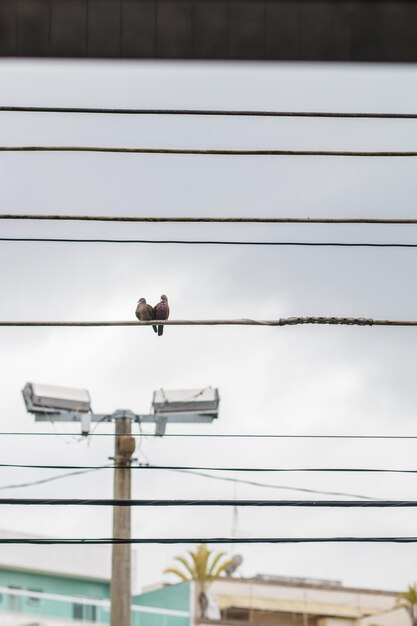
221,478
214,152
205,540
204,112
282,321
204,475
42,481
360,470
216,220
218,435
206,242
144,502
253,483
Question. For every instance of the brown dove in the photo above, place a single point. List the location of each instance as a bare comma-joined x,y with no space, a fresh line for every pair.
145,312
162,312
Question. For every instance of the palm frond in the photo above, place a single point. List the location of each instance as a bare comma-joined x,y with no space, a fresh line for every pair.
203,565
200,557
186,566
220,569
214,562
177,572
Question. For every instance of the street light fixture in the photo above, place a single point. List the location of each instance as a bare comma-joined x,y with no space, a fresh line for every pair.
49,398
65,404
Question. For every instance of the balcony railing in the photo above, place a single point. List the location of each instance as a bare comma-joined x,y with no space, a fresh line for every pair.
49,609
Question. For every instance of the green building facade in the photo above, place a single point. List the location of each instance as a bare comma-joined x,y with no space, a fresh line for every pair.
48,599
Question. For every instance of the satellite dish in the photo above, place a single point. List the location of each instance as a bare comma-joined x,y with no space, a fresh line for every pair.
237,560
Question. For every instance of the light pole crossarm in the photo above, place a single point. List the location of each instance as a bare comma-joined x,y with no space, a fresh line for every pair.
159,419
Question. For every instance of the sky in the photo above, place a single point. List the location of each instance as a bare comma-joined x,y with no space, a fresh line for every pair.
292,380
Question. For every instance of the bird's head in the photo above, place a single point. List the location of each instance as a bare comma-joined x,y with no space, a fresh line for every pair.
164,298
141,301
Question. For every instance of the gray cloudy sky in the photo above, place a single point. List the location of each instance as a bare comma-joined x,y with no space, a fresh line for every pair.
272,380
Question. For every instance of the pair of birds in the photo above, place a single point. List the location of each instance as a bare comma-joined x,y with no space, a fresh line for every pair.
145,312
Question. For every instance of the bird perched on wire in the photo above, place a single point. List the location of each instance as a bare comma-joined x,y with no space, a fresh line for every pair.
145,312
162,312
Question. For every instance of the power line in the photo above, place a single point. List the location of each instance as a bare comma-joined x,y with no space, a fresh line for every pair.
253,483
42,481
205,112
206,242
365,470
206,540
283,321
216,435
213,152
211,503
217,220
196,473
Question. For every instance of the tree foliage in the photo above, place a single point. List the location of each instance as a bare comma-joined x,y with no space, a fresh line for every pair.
408,600
202,565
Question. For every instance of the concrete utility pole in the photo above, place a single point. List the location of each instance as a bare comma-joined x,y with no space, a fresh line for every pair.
121,577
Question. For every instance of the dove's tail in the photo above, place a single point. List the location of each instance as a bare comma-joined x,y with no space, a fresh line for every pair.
155,329
160,330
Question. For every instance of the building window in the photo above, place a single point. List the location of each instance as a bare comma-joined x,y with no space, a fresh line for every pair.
34,600
14,601
84,612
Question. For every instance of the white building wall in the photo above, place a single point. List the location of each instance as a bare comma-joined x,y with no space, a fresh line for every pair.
398,617
359,599
334,601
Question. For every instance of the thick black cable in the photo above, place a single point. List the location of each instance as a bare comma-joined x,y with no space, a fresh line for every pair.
206,540
205,242
215,151
217,220
209,503
204,112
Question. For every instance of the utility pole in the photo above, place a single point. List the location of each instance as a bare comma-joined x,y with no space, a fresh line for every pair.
121,576
50,403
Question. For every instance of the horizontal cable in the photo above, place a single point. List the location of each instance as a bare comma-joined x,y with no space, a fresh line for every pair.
205,242
205,540
205,112
211,435
216,220
186,468
211,503
213,152
283,321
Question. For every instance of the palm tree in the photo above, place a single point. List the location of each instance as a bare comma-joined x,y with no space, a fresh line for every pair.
408,600
204,566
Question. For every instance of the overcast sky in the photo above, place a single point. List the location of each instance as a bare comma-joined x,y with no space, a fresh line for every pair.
302,380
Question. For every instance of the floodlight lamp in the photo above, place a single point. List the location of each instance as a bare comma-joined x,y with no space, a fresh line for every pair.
202,401
51,399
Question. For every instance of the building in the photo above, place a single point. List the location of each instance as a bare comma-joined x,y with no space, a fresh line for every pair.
279,601
69,585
